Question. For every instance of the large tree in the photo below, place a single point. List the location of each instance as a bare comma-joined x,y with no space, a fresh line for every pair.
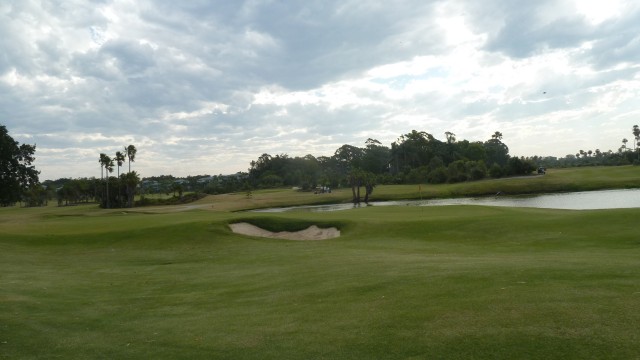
119,161
376,157
107,163
16,172
496,151
636,135
131,154
102,161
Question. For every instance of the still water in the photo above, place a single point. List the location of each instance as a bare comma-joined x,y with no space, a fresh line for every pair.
588,200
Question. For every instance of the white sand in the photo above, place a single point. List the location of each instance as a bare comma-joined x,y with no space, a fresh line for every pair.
311,233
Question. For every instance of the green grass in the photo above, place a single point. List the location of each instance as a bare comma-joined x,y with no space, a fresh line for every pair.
402,282
459,282
556,180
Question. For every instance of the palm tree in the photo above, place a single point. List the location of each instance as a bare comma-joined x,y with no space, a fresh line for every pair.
102,162
636,134
119,160
131,154
497,135
624,143
107,163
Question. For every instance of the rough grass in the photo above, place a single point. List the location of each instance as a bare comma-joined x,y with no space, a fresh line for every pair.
556,180
402,282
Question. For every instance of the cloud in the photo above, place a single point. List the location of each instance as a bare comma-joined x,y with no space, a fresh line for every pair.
204,86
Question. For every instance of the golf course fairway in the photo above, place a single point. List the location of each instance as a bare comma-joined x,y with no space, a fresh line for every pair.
455,282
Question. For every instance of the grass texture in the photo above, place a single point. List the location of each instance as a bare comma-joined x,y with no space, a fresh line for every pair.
402,282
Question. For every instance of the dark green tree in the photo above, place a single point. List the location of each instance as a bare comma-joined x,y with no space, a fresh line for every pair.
107,164
496,151
17,174
120,157
636,136
376,157
131,154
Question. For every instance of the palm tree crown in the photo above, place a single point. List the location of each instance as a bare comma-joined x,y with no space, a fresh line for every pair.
119,160
131,154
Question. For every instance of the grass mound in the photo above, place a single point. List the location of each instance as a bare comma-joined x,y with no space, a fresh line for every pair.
174,200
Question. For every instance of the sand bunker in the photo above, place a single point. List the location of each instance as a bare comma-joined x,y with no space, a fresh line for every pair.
311,233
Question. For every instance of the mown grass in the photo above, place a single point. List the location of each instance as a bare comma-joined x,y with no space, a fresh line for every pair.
402,282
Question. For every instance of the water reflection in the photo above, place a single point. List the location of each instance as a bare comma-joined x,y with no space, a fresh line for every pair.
588,200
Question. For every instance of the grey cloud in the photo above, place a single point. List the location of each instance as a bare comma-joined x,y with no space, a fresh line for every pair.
316,41
620,44
132,58
522,35
150,73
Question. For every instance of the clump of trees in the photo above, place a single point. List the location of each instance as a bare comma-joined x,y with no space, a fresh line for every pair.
18,176
415,157
73,191
119,191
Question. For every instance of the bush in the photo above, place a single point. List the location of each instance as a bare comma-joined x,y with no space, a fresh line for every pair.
496,171
477,170
417,175
438,175
517,166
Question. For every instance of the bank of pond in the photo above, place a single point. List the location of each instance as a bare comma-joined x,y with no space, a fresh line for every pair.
586,200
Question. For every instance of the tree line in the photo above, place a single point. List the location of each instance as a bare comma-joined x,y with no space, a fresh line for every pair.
415,157
624,155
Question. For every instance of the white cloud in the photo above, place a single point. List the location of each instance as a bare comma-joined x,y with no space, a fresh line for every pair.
208,87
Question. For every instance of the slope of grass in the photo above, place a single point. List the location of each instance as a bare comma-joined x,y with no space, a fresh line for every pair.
556,180
402,282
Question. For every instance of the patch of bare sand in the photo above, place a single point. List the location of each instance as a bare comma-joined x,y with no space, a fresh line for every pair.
311,233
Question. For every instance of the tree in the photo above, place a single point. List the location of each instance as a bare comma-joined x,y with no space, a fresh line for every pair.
451,137
16,172
376,157
636,136
369,183
119,161
413,150
107,163
101,161
131,154
496,151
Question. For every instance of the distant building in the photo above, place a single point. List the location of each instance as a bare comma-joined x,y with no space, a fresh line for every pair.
205,180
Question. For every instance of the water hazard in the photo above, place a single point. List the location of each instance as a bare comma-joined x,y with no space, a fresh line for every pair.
588,200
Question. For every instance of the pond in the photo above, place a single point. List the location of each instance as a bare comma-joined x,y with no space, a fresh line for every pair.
587,200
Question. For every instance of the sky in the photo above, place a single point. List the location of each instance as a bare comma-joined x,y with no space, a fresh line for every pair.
204,87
